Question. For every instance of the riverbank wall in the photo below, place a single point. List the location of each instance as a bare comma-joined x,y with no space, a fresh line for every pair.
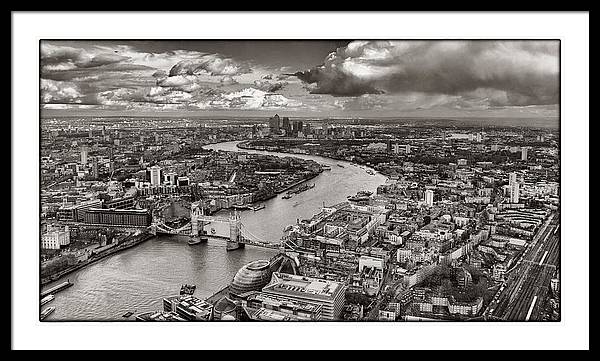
140,239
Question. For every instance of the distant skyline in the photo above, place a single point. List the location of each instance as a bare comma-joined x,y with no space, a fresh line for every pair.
321,78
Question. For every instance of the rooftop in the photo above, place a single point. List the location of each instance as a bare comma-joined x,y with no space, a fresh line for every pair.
293,284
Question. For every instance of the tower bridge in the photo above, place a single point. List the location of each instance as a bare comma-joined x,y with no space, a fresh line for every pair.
239,235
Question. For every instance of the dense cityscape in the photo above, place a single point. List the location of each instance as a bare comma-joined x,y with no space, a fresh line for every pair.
448,219
313,180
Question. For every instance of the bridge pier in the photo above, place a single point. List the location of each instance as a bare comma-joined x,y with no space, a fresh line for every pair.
233,242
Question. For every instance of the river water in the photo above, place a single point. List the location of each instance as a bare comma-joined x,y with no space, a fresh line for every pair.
138,278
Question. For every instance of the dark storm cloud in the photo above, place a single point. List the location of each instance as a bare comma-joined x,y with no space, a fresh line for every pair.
65,58
510,72
336,83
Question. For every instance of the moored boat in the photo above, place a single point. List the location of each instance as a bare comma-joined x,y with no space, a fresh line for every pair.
46,312
46,299
200,238
194,240
187,289
258,208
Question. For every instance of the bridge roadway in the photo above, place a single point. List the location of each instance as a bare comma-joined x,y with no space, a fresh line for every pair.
522,296
246,237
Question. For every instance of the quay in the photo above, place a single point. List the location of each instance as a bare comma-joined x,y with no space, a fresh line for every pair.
56,288
137,240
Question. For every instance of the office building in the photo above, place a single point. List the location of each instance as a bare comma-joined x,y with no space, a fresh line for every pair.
156,175
287,126
329,294
127,202
183,181
524,154
429,197
251,277
171,178
118,217
512,178
74,213
274,124
263,307
55,238
84,155
189,307
513,185
514,193
95,173
296,127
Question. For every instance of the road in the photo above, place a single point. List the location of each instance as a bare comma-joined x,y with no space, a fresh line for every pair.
522,296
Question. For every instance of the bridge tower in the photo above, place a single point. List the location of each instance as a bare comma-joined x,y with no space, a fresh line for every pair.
196,215
234,232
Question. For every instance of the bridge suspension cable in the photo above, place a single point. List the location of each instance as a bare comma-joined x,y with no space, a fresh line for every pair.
252,237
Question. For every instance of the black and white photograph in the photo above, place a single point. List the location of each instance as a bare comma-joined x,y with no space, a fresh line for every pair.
270,180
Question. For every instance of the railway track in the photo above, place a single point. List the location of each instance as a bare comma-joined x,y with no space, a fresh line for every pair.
525,290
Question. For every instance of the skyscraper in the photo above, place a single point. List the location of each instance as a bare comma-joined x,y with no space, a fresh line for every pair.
514,193
512,178
514,187
95,167
155,175
524,154
296,127
274,124
429,197
286,126
306,128
84,154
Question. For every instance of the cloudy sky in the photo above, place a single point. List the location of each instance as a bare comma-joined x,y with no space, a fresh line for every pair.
301,78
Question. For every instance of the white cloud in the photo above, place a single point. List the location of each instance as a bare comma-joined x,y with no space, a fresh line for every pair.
59,92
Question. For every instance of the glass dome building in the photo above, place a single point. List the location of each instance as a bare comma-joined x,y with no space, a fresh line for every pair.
252,277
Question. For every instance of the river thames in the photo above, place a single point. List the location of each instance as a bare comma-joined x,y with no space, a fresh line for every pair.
138,278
